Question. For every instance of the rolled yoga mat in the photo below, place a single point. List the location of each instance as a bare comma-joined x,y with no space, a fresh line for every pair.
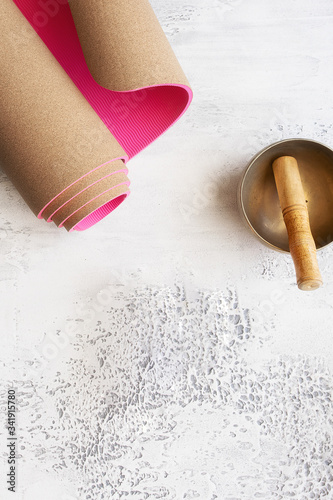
84,87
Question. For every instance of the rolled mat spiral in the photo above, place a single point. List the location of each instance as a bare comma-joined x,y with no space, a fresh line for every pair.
84,87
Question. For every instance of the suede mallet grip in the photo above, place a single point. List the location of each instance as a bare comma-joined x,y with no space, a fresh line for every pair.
295,214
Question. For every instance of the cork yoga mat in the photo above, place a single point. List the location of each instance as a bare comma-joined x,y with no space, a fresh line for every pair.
84,87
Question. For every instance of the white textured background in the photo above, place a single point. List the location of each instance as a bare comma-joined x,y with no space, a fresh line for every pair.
195,369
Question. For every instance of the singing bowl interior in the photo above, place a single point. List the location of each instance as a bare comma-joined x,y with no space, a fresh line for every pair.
258,198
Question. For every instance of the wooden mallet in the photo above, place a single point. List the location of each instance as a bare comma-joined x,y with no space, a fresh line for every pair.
296,217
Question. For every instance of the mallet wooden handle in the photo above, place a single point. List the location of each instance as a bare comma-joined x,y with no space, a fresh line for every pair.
295,213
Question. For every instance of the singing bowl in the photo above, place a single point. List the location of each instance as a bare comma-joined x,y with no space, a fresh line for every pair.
258,198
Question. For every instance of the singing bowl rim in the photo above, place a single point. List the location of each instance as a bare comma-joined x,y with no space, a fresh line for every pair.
255,159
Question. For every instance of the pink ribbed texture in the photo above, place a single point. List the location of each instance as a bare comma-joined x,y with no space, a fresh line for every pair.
135,118
109,203
100,213
124,170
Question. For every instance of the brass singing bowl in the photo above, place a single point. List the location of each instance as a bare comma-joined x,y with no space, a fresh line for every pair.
258,198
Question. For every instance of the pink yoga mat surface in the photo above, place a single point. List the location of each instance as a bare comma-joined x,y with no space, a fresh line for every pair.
134,117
